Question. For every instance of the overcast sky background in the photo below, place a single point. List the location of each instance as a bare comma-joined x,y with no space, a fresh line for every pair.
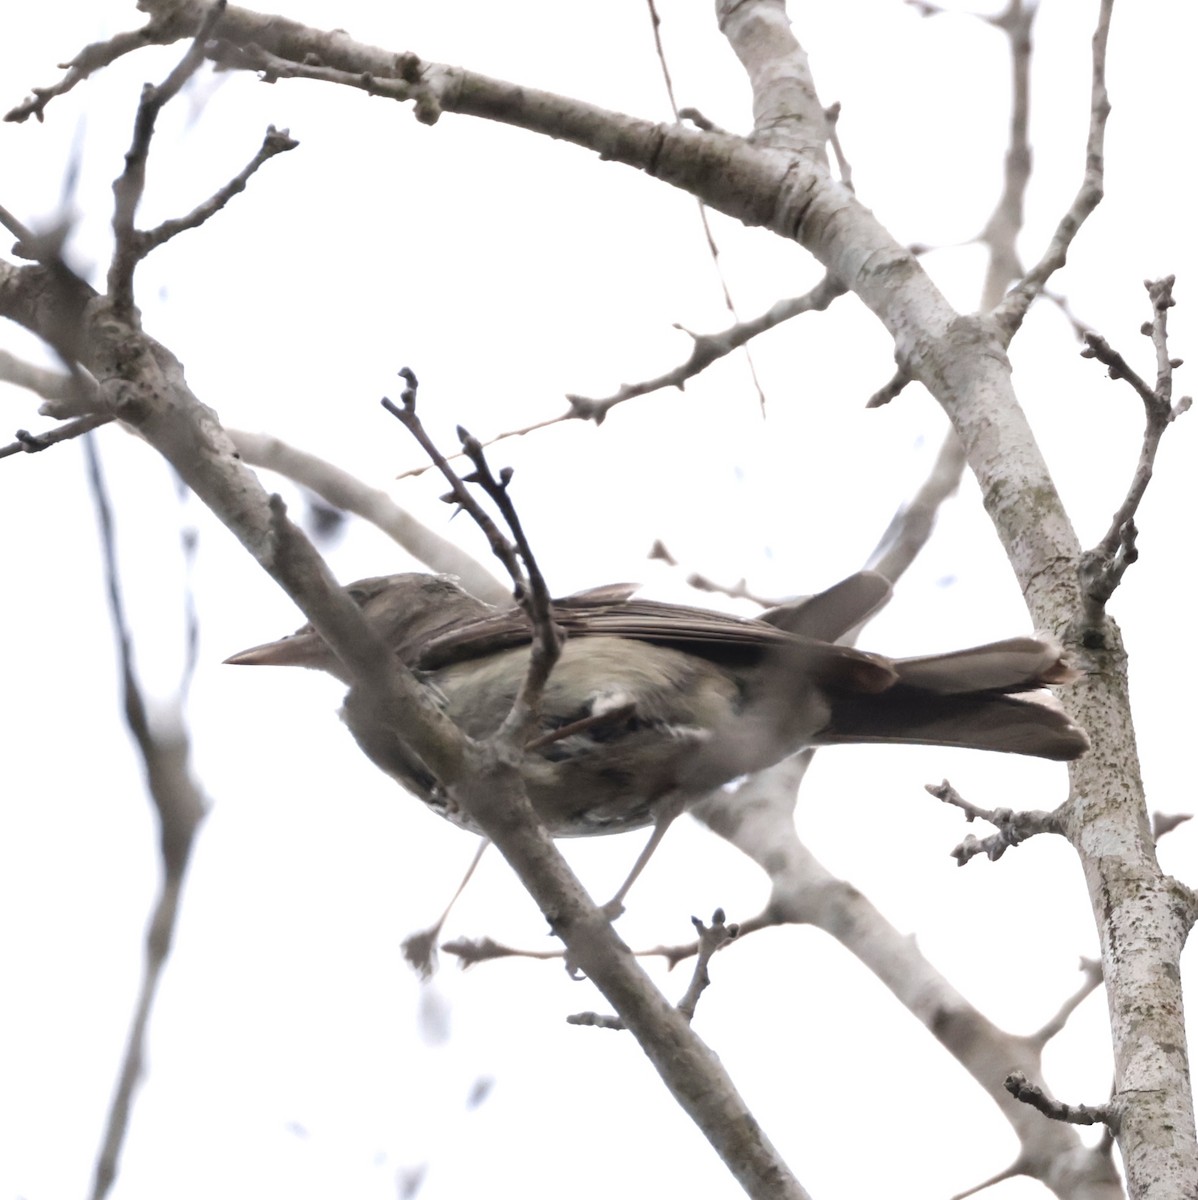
292,1052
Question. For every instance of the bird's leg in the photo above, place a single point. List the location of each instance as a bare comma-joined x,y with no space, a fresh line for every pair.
665,812
420,948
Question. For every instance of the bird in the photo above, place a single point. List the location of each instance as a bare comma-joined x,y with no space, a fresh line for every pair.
652,706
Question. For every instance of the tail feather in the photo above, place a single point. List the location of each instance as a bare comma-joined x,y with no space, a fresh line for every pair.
961,699
1014,665
976,721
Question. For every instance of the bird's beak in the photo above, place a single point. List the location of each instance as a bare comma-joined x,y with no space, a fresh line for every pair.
303,649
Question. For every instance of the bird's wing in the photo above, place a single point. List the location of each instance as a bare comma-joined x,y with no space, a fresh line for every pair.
605,612
610,612
654,621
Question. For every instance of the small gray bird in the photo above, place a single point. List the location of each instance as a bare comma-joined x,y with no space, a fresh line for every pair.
652,706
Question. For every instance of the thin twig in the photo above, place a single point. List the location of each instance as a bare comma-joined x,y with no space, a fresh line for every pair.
534,598
1092,979
712,938
160,30
24,235
459,494
1102,568
911,527
180,807
712,248
843,167
130,243
32,443
275,141
1002,230
471,951
516,554
706,349
1013,827
1011,311
402,82
1074,1114
346,493
69,393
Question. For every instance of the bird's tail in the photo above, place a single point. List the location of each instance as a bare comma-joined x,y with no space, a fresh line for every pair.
963,699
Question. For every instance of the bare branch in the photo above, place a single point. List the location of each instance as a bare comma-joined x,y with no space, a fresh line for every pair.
131,246
912,526
346,492
1016,1168
161,29
596,1021
44,382
32,443
736,591
655,21
787,113
24,235
413,472
1091,969
712,937
72,390
1103,567
1013,827
405,414
1006,222
890,390
762,826
768,918
399,80
712,248
180,807
531,592
472,951
843,167
707,348
1011,311
275,141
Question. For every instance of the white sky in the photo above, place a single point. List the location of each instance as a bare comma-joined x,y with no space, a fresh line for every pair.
285,1055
